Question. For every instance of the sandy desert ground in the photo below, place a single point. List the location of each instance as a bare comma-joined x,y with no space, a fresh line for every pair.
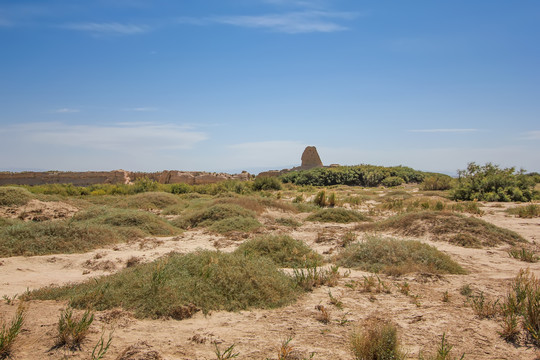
421,316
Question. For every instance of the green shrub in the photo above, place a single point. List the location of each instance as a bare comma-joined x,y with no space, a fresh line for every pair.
286,222
282,249
376,340
267,183
320,199
10,195
181,188
72,330
57,237
145,185
437,182
179,285
445,226
491,183
9,332
392,181
146,222
337,215
208,216
529,211
236,223
396,257
152,200
360,175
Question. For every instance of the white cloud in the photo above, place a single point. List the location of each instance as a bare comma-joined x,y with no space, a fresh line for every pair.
121,137
293,22
66,111
444,130
532,135
112,28
142,109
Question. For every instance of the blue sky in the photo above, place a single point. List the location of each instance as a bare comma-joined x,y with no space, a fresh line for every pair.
231,85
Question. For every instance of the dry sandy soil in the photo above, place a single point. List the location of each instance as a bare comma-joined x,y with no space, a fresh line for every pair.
422,316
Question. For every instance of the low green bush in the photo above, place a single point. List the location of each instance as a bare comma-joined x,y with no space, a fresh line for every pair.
437,182
179,285
152,200
146,222
267,183
392,181
209,215
528,211
445,226
11,195
491,183
283,250
337,215
397,257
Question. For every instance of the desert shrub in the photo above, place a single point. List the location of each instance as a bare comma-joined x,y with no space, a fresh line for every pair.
522,301
320,199
152,200
483,306
236,223
6,222
491,183
57,237
267,183
376,340
444,226
179,285
146,222
282,221
396,257
11,195
10,331
392,181
180,188
312,276
443,352
523,254
144,185
529,211
337,215
71,329
209,215
437,182
360,175
282,249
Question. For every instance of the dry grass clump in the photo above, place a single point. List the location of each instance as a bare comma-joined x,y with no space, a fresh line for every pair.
522,301
56,237
72,329
152,200
523,254
209,215
10,331
288,222
283,250
11,195
146,222
89,229
337,215
528,212
442,225
179,285
397,257
376,339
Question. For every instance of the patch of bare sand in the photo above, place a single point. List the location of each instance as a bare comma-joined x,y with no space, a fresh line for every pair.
36,210
421,316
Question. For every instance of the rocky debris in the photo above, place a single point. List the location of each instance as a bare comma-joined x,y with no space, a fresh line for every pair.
139,351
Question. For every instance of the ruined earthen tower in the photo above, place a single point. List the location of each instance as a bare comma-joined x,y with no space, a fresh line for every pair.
310,158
